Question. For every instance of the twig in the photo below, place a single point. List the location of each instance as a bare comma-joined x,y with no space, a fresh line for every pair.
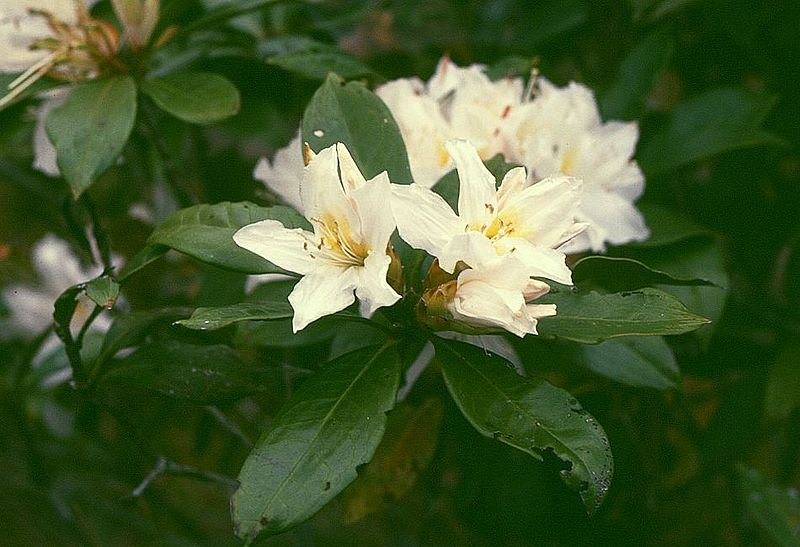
229,425
164,466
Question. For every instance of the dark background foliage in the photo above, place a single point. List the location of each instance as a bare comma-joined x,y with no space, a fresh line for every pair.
70,464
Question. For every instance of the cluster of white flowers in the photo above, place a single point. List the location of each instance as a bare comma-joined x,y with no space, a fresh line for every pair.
574,192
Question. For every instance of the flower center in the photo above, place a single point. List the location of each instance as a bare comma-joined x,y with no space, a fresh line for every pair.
336,242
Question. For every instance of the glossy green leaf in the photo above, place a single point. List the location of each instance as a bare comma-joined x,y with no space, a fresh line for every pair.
205,232
194,97
593,317
350,113
776,510
222,316
404,453
620,274
783,383
311,450
202,374
103,291
638,361
316,65
529,414
636,76
91,128
716,121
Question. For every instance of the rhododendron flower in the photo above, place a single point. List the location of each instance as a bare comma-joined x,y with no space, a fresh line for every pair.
560,132
348,249
455,103
283,174
499,294
528,221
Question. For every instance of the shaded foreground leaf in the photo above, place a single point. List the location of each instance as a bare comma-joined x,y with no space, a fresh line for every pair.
638,361
406,451
350,113
621,274
91,128
103,291
194,97
316,65
311,450
593,317
716,121
528,414
205,232
202,374
222,316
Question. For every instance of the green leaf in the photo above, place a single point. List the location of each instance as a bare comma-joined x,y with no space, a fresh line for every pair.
528,414
592,317
511,66
103,291
777,510
404,453
667,227
652,10
310,452
194,97
91,128
621,274
350,113
717,121
131,329
222,316
40,85
140,260
783,383
205,232
316,65
640,361
202,374
636,76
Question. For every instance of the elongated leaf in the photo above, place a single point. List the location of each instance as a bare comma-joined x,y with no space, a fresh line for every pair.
717,121
194,97
592,317
639,361
620,274
311,450
776,510
637,75
91,128
205,232
404,453
130,329
528,414
103,291
222,316
316,65
203,374
352,114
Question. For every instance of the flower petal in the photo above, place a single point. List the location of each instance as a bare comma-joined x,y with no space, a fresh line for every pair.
477,198
373,202
424,219
351,176
325,291
372,288
284,247
321,189
285,173
541,261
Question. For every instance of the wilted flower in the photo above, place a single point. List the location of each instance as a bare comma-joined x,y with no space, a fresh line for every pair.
560,132
528,221
347,251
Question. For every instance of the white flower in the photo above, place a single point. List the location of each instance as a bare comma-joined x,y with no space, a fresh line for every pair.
527,221
31,308
19,29
283,175
560,132
456,103
497,294
348,249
